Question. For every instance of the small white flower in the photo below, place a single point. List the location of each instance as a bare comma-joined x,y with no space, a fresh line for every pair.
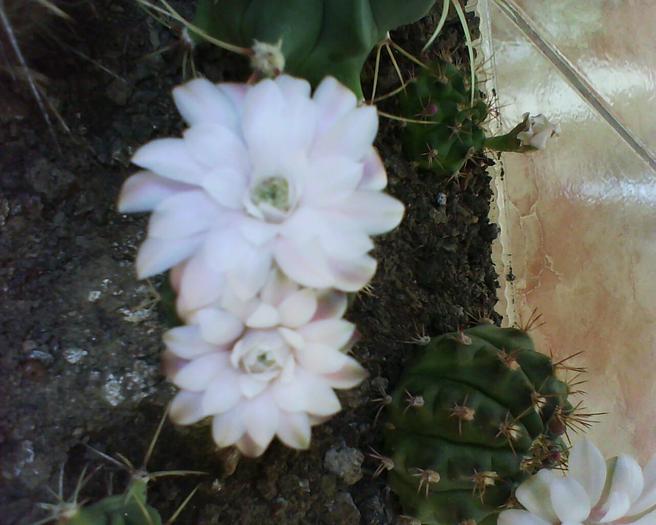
263,367
538,131
593,492
265,174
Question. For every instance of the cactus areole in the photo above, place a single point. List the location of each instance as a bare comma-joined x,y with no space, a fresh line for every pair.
474,416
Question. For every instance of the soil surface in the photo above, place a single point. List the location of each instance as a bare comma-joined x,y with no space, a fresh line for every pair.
80,336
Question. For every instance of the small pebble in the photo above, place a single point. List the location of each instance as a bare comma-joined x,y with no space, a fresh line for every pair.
345,462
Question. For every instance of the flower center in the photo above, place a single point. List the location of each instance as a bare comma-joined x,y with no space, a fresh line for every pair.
273,191
261,354
271,199
260,360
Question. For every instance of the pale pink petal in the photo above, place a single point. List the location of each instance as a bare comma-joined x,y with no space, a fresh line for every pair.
626,477
228,428
261,419
345,244
277,287
300,116
569,500
520,517
217,326
648,497
588,467
294,430
169,158
226,248
199,101
264,316
222,394
197,374
157,255
352,135
172,364
246,267
305,224
617,504
144,190
290,395
350,375
331,305
534,494
292,337
186,342
304,263
335,101
175,276
374,176
350,275
251,387
306,393
330,332
236,93
298,309
182,215
226,187
248,447
200,284
256,231
320,359
330,179
186,408
372,211
322,400
250,273
292,87
263,125
215,146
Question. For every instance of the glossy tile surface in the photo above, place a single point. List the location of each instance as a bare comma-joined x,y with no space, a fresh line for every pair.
579,219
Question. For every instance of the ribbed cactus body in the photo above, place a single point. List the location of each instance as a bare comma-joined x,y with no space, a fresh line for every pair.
318,37
474,416
441,96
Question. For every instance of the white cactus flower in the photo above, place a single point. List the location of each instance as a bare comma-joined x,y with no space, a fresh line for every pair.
264,173
263,367
593,492
538,131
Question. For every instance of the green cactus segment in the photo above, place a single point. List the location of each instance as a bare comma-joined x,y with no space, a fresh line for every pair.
319,37
440,95
129,508
471,419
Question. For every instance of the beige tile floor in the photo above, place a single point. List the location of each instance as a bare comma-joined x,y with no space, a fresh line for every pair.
579,219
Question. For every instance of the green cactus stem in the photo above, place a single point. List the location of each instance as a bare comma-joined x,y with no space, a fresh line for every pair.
452,131
129,508
318,37
474,416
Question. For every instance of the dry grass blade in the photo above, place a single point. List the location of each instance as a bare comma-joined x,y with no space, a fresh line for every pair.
172,13
394,62
440,25
54,9
179,510
470,47
379,48
31,82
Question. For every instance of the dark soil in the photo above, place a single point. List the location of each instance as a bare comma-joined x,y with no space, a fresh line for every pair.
80,336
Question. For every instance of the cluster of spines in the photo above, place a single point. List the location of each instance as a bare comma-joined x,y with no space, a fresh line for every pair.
449,132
